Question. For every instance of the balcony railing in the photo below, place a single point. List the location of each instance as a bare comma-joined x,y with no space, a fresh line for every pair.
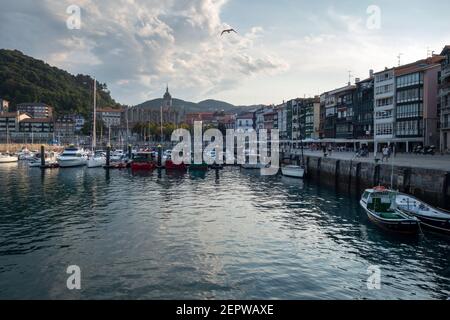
445,126
445,72
444,91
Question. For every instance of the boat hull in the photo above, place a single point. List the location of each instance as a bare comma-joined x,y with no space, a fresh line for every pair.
96,163
406,226
432,224
71,163
143,166
430,218
175,167
293,172
9,159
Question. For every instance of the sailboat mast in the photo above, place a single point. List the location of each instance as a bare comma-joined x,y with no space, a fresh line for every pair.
128,129
162,130
94,133
7,136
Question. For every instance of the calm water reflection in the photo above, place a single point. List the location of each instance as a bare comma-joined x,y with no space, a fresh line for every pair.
238,235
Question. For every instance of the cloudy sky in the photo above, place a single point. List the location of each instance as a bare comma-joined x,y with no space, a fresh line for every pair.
284,48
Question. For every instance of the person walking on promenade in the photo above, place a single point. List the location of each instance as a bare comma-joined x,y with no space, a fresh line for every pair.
385,154
330,150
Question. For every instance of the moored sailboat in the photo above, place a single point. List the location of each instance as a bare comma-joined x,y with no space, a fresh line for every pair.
7,157
95,159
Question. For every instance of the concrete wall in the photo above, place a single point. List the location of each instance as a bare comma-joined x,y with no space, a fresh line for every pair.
432,186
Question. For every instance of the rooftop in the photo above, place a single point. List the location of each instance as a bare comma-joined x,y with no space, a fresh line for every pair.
245,116
419,65
8,114
36,104
109,109
37,120
445,50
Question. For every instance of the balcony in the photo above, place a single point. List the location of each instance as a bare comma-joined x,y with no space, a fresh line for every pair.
445,126
444,90
445,73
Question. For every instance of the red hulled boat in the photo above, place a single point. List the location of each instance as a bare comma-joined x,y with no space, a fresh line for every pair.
143,161
175,167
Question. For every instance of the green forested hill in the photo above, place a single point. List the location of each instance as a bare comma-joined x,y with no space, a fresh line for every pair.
25,79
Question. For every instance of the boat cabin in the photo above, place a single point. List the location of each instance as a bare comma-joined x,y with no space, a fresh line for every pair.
379,200
142,157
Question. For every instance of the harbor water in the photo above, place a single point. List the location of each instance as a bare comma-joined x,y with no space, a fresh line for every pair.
235,235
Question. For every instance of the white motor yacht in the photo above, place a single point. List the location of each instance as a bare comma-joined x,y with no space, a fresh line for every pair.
72,157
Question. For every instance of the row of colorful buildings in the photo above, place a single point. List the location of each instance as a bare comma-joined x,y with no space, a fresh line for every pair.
404,106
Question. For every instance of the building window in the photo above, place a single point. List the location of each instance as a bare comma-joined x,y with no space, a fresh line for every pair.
408,128
410,80
384,76
412,110
383,114
384,89
385,102
384,129
410,95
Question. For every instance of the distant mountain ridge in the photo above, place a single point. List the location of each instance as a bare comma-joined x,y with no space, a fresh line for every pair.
209,105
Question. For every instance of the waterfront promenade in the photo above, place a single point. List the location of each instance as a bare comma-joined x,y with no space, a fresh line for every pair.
437,162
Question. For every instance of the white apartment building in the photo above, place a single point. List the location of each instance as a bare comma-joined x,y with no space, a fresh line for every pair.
260,119
384,107
245,122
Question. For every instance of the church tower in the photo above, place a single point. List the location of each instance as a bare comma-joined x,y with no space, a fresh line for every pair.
167,99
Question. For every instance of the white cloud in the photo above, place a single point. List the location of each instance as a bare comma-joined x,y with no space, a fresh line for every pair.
136,46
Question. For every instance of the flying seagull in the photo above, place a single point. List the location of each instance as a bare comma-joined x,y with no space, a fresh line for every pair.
228,31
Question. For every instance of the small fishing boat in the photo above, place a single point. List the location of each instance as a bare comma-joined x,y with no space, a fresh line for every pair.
380,206
293,171
50,160
430,217
296,171
142,161
170,166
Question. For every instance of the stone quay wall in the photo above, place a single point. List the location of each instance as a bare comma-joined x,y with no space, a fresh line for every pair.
429,185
